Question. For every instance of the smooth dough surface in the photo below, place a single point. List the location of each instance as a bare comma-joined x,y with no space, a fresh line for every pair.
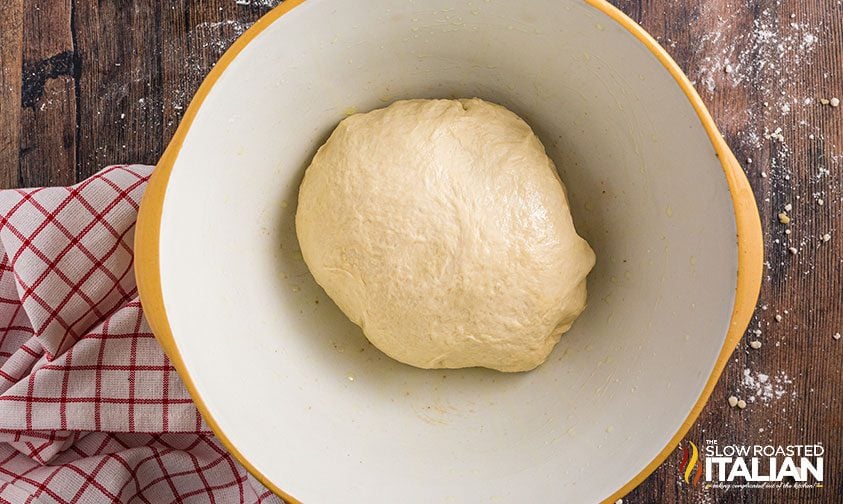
442,229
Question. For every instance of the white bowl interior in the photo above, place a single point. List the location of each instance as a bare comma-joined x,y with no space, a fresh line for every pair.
297,388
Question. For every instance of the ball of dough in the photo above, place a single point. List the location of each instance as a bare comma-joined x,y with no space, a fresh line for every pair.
442,229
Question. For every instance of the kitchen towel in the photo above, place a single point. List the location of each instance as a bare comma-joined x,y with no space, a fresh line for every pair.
91,410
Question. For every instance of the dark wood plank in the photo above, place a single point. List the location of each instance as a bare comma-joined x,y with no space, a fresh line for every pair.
120,89
48,95
11,54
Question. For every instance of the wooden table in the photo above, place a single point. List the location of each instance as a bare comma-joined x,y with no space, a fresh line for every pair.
88,83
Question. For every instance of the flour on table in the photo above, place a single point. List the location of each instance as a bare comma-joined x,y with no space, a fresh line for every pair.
776,48
775,62
219,35
763,388
258,3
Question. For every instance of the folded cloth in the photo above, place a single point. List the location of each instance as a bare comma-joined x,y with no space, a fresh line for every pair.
91,410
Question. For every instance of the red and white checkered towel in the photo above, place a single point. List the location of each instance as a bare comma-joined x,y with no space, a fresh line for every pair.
90,408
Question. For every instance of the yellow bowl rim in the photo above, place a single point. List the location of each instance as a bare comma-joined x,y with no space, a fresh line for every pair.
749,237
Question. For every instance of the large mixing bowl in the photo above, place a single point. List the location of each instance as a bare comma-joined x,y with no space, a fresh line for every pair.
292,387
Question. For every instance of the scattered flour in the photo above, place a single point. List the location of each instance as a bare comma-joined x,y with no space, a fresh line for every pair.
769,48
775,63
763,388
220,34
259,3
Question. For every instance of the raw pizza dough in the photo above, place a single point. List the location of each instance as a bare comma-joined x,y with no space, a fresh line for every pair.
442,229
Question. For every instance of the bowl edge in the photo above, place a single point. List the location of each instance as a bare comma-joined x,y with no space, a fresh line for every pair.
747,219
749,237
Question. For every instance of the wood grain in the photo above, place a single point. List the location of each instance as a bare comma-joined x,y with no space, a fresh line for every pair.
11,54
85,84
48,96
